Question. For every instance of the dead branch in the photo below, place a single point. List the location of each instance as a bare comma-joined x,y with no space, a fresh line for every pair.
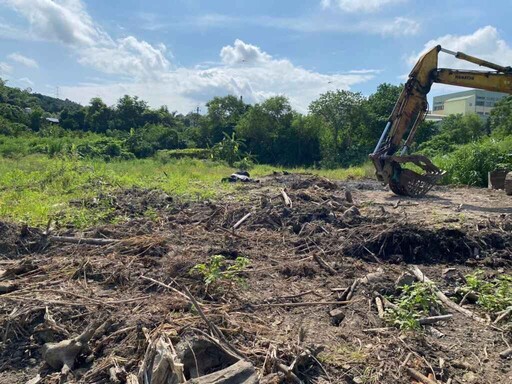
303,304
434,319
379,330
380,307
165,286
503,315
241,221
421,277
418,376
506,353
347,295
81,240
286,198
386,302
324,264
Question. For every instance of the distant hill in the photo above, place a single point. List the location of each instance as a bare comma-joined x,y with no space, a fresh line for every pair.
24,99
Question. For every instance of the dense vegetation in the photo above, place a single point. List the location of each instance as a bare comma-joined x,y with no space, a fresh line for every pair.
339,130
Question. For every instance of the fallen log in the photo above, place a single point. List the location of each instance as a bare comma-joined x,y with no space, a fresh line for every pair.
421,277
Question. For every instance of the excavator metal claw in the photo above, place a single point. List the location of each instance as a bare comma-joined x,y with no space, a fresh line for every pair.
406,182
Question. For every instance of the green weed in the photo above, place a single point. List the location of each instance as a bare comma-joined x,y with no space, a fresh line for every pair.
416,301
217,271
494,295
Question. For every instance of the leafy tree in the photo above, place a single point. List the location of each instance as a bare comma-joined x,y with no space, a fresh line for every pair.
223,116
146,141
36,119
229,149
501,117
263,126
345,114
379,107
455,130
98,115
129,113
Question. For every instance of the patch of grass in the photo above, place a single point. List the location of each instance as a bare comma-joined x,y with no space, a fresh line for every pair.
494,295
360,172
416,301
35,188
341,356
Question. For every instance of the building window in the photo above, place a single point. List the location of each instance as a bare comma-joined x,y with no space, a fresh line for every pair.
438,107
479,103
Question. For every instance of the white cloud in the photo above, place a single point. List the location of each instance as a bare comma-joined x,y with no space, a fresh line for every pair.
26,81
359,5
257,78
128,56
5,69
23,60
241,52
69,23
400,26
64,21
485,43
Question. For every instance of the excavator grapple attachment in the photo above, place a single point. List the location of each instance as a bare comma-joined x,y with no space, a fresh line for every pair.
406,182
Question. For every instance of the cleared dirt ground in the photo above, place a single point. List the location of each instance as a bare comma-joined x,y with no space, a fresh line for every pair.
302,260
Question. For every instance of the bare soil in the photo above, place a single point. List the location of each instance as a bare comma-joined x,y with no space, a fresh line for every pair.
301,256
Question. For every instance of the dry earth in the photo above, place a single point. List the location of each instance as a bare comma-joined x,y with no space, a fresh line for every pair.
303,259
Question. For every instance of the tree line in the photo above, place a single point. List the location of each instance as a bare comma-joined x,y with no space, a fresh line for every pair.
340,128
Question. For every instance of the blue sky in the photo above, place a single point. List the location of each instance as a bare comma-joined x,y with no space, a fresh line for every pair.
183,52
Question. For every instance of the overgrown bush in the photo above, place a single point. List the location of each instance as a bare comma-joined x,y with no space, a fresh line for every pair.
469,164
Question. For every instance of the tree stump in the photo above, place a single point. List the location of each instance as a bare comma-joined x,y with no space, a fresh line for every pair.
508,184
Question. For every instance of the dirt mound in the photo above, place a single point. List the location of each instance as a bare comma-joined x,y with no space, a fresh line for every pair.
17,240
412,244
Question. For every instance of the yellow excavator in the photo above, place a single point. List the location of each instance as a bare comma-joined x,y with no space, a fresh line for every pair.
410,110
